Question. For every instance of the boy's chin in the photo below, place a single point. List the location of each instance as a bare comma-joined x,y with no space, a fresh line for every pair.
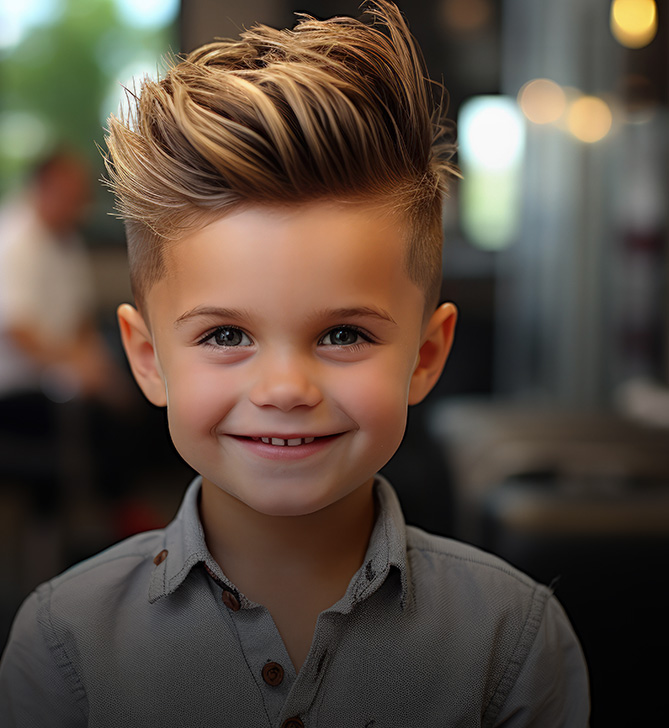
291,502
289,508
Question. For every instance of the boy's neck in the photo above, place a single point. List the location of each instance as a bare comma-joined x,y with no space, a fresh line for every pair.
252,547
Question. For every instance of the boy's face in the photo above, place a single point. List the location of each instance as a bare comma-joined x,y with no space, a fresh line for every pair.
286,344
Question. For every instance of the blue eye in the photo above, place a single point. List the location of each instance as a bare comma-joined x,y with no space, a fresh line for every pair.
227,336
344,336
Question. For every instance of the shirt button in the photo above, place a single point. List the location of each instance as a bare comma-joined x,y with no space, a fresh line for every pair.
160,557
230,601
272,674
292,723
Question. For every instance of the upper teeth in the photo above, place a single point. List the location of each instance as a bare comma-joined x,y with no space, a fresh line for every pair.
291,443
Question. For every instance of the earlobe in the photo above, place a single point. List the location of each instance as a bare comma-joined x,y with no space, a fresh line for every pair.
434,350
138,345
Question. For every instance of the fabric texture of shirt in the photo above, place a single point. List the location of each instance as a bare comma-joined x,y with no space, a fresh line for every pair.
430,632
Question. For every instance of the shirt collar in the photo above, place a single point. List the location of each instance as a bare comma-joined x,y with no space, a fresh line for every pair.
185,546
387,549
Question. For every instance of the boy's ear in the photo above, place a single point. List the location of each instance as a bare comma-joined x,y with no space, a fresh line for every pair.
138,345
434,350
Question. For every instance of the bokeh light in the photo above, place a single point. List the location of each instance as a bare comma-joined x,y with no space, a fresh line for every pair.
542,101
492,144
492,132
634,22
148,13
589,119
18,18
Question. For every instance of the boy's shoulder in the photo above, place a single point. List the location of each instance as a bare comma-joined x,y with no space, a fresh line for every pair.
450,553
434,564
93,584
472,580
118,561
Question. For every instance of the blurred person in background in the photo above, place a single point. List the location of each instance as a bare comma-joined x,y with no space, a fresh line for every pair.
48,342
50,350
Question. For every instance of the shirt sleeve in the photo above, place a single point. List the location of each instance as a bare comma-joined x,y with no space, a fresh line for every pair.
34,691
552,688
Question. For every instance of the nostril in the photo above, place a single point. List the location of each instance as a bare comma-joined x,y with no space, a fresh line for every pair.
285,392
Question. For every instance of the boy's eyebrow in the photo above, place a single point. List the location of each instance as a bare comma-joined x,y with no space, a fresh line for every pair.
349,313
334,313
214,311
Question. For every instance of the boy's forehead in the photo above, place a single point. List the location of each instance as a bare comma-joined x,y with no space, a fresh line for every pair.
311,228
343,247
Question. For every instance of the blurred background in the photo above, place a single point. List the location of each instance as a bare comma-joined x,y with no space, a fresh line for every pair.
547,439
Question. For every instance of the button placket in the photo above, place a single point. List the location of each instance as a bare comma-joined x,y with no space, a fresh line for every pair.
258,638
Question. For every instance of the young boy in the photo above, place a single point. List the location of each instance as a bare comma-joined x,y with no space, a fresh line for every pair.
282,199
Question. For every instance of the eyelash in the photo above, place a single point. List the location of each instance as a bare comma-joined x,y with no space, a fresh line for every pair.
366,338
207,339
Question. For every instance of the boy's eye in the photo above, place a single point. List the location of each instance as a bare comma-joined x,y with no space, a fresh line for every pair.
228,336
344,336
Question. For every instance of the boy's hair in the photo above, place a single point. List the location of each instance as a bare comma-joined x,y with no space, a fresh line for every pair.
330,110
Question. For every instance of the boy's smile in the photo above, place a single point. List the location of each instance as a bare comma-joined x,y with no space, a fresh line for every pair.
284,342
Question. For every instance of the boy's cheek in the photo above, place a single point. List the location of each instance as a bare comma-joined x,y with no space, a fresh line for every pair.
381,401
194,396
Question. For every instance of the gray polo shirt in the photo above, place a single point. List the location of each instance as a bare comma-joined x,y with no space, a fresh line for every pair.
430,632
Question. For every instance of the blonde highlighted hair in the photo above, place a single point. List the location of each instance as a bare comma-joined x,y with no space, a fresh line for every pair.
336,109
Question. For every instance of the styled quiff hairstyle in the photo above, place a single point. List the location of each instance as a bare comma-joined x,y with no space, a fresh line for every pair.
336,109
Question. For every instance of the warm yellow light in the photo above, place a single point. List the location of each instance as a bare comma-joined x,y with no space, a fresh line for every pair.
634,22
589,119
542,101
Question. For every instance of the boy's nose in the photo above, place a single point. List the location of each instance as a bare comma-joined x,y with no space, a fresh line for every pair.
285,383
